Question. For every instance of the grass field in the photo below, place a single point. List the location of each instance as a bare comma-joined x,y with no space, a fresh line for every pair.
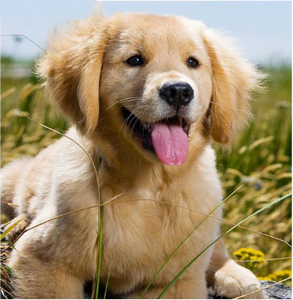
260,162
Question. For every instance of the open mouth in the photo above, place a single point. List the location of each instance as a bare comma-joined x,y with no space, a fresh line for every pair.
168,138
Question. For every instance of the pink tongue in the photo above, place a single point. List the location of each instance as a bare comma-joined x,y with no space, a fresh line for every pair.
170,143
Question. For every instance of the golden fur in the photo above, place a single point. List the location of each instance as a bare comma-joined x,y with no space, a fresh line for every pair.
87,77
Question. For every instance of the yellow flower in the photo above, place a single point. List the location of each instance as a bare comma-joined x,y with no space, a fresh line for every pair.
251,257
280,275
265,278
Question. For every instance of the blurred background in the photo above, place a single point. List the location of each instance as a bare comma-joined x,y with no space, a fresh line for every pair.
262,28
260,160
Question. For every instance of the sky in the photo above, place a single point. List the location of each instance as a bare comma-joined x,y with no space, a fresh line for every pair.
262,28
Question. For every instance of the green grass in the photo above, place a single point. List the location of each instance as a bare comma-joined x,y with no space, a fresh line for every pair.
260,160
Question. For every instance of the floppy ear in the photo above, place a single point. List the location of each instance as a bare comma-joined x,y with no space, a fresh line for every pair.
71,67
233,78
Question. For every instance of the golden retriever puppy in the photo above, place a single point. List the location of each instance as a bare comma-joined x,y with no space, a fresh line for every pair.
146,95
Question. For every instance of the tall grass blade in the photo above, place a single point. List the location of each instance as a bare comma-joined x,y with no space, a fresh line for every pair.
228,231
3,235
23,36
99,253
107,283
265,288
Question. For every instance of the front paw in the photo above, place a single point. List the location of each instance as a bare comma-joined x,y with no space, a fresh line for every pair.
233,281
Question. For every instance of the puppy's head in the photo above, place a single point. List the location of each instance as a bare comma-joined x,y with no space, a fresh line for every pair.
162,83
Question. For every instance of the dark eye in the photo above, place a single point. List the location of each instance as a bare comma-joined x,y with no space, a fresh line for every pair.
135,61
192,62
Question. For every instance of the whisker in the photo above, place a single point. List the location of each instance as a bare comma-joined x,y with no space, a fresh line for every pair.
131,132
129,99
125,123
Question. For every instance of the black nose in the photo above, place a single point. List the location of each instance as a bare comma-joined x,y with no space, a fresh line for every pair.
176,93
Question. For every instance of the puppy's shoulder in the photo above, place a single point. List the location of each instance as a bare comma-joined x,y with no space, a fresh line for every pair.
73,155
69,156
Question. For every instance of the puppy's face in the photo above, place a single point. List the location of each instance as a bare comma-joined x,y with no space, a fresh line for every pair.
157,76
157,84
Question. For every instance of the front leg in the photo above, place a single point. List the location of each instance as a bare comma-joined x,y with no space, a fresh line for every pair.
229,279
36,279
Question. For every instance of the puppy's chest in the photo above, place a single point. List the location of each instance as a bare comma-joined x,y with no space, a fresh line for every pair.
145,226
